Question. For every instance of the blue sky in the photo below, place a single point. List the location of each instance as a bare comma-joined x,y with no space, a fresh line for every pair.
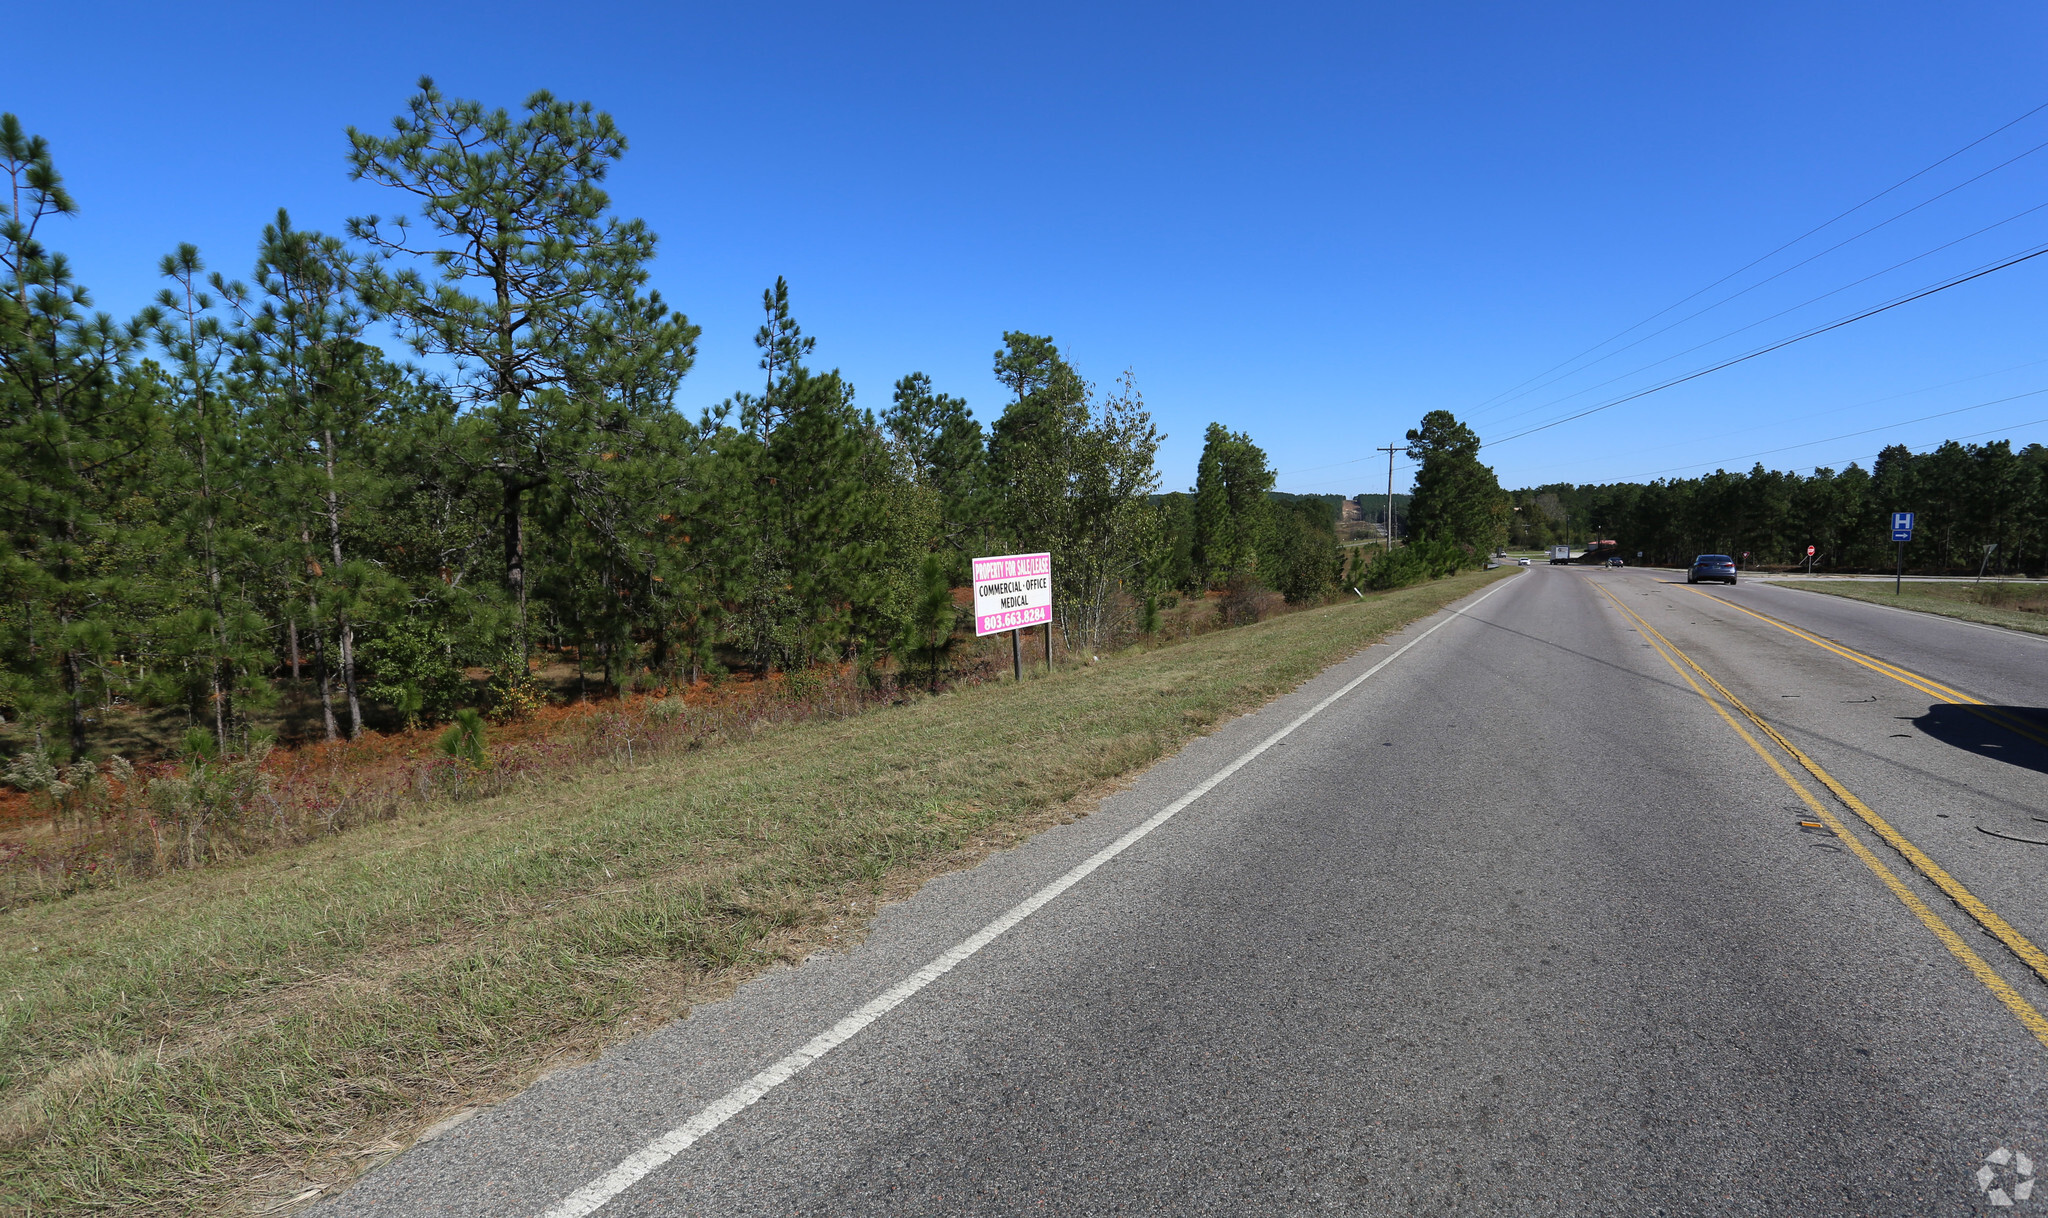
1309,223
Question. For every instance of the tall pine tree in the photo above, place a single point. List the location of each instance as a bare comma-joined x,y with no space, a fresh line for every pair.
71,433
520,278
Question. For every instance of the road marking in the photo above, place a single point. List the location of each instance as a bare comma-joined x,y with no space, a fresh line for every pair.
641,1163
1926,685
2032,1019
2025,636
2021,946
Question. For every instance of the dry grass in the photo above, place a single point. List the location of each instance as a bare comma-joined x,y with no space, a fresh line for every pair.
230,1038
2016,606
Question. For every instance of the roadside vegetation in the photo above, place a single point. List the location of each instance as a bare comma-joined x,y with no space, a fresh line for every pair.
238,1035
2012,605
234,520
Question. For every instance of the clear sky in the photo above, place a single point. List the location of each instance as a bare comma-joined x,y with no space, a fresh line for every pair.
1309,223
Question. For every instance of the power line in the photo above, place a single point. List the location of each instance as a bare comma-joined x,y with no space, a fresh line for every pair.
1313,468
1795,266
1772,254
1817,331
1811,300
1844,436
1403,466
1697,441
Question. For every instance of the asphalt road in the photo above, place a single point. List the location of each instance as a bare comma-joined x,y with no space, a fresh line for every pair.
1519,925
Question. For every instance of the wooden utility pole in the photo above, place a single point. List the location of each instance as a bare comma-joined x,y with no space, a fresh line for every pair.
1390,450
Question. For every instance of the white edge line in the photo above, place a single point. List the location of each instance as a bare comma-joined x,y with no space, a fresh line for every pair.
634,1168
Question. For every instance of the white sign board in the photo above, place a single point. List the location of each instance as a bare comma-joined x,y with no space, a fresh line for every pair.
1011,591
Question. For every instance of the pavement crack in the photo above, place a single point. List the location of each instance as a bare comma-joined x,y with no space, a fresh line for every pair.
2012,837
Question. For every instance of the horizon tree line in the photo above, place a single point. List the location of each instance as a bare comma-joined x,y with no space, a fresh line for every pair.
1977,507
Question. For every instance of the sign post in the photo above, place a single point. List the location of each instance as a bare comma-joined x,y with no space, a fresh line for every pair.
1012,591
1902,532
1809,560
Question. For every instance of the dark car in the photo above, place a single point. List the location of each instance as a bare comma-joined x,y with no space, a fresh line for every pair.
1711,566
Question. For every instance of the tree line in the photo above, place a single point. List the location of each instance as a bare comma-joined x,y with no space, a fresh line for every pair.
239,487
1965,497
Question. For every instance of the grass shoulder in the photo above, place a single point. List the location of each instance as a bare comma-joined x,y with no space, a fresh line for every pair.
2013,606
224,1039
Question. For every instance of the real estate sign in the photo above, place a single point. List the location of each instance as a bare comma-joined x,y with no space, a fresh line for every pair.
1011,591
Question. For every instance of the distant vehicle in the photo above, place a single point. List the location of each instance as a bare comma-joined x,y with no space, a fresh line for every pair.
1711,566
1521,562
1615,561
1560,554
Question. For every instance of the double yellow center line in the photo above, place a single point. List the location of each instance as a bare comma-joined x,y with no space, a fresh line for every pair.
1926,685
2034,958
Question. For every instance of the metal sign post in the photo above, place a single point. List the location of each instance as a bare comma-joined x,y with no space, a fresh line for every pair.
1809,560
1902,532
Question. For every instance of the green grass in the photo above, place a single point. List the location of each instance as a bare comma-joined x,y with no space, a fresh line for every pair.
223,1039
2014,606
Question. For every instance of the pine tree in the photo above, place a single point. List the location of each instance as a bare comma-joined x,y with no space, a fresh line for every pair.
522,279
220,638
1233,517
1031,454
1456,499
817,461
71,435
941,446
315,402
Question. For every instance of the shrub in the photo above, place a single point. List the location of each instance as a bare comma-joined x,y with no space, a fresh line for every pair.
514,693
210,804
802,684
412,667
1444,557
32,771
1396,569
464,739
928,630
1243,597
1305,565
199,744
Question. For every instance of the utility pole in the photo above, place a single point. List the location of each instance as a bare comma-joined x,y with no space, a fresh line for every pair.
1390,450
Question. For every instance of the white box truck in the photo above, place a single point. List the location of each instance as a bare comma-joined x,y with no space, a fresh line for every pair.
1560,554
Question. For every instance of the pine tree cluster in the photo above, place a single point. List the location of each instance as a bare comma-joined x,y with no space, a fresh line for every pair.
242,490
